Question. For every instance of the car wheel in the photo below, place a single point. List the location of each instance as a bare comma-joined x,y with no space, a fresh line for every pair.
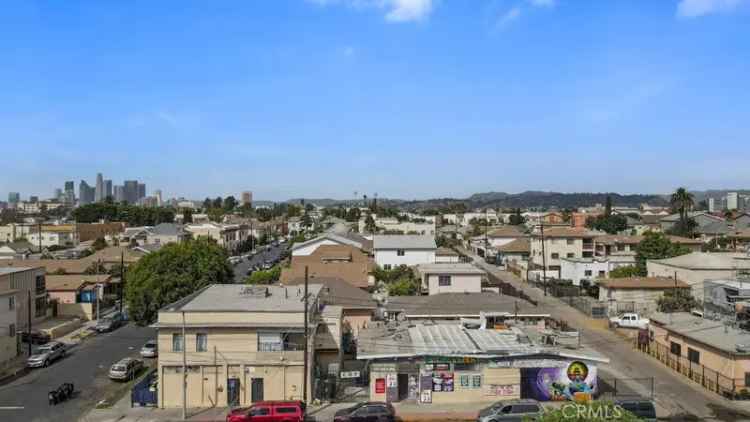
46,363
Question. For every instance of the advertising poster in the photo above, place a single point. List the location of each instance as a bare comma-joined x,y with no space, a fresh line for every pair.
559,384
379,385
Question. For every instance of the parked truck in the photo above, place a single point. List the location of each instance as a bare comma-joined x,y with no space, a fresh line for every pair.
629,320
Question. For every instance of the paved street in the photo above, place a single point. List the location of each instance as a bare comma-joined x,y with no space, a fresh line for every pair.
240,270
683,399
86,367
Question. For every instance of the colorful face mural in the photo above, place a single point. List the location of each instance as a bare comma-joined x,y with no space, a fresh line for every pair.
559,383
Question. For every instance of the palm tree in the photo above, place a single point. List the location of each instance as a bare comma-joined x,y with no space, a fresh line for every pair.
682,201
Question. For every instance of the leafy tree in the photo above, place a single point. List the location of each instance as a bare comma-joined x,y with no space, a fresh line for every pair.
389,276
264,277
131,214
702,205
716,245
171,273
217,203
59,271
229,203
354,214
306,220
677,300
187,216
682,202
608,206
595,411
656,246
516,219
685,228
611,224
403,287
309,207
370,226
95,267
624,272
293,210
99,244
207,203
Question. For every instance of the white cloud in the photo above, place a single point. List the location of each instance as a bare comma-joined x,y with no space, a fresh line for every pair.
509,17
543,3
395,10
696,8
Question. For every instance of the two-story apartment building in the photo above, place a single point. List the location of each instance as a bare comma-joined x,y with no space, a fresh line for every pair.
242,344
28,283
8,324
450,278
59,236
161,234
394,250
560,242
227,235
345,262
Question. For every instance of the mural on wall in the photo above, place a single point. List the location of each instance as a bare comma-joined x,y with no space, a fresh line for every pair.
558,384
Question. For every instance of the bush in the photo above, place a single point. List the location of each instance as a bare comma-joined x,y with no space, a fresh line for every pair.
265,276
624,272
403,287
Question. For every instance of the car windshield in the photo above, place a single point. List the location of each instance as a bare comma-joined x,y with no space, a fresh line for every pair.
118,368
44,349
105,321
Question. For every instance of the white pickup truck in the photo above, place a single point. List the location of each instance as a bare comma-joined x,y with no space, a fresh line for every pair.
629,321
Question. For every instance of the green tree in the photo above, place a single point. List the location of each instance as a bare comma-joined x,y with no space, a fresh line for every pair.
370,226
95,267
207,203
99,244
596,411
217,203
611,224
516,219
403,287
171,273
677,300
685,228
187,216
624,272
229,203
264,276
608,206
656,246
306,220
354,214
682,202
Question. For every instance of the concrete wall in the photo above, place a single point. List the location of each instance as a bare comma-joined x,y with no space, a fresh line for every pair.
460,283
694,278
557,247
86,311
576,271
410,258
357,319
645,300
8,318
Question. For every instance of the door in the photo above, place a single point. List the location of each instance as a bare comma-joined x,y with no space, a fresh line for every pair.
256,389
233,392
403,386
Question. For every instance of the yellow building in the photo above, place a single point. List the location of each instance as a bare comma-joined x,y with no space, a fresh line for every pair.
241,344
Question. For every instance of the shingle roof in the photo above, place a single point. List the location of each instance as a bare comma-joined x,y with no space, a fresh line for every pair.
642,283
506,231
405,241
517,246
339,292
73,282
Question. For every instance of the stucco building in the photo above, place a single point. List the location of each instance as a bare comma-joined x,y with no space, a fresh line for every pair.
450,278
410,250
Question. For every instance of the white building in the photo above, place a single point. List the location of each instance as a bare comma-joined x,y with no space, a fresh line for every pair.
450,278
579,269
51,238
351,239
732,201
697,267
711,205
394,250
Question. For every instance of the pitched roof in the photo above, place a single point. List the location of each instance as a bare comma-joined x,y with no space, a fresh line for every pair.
517,246
403,241
326,261
457,304
691,214
347,239
340,292
506,231
613,239
642,283
716,227
445,252
568,232
73,282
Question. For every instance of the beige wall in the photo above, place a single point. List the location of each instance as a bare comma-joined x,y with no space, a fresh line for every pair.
357,319
25,281
645,300
85,311
557,246
63,296
694,278
460,283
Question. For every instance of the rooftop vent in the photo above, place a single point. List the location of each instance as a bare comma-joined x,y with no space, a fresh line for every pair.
255,291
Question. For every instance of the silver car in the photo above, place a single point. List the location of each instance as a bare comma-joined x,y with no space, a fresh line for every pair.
125,369
150,349
46,354
512,410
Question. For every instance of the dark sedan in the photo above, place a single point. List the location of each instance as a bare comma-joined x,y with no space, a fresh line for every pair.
367,412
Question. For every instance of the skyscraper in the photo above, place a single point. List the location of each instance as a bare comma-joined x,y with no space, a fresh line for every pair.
58,195
130,191
86,193
247,198
107,189
33,199
70,192
99,189
119,194
711,205
14,197
157,195
732,201
141,191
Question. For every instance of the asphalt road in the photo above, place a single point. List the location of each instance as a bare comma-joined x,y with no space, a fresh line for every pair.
240,270
86,366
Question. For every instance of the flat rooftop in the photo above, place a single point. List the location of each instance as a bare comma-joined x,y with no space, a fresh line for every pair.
450,268
245,298
11,270
458,304
710,333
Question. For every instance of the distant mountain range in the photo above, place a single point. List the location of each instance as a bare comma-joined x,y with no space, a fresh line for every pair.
528,199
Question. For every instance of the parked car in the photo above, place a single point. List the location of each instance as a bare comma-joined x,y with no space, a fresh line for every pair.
125,369
61,393
36,337
366,412
110,323
150,349
511,410
46,354
641,407
269,411
629,320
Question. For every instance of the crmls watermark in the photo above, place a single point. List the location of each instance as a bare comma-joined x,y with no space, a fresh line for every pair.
579,411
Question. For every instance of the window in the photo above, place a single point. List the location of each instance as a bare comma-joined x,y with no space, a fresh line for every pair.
260,411
386,266
11,303
41,306
555,256
400,252
571,241
270,342
587,273
694,355
444,280
675,348
40,284
286,410
602,273
476,381
571,255
747,379
12,330
620,247
201,342
177,342
465,381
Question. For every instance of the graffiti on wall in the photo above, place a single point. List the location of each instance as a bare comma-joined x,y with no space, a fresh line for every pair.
557,384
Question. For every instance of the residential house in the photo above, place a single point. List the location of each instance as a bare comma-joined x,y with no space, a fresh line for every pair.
636,294
740,240
93,231
727,299
242,344
714,231
443,363
54,236
345,262
107,257
696,267
230,236
29,284
350,239
495,238
702,218
580,270
514,252
13,232
77,294
714,354
9,299
447,255
560,242
394,250
450,278
489,215
388,225
451,231
294,225
15,250
608,245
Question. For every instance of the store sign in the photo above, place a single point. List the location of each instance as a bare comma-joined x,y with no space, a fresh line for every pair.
383,367
503,390
380,386
349,374
450,359
528,363
391,381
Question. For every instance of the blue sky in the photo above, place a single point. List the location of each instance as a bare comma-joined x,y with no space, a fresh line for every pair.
406,98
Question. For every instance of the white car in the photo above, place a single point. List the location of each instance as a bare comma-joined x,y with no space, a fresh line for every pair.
46,354
150,349
629,320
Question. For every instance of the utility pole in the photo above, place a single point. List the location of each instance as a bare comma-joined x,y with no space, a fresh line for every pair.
544,257
304,377
28,309
39,234
184,369
122,277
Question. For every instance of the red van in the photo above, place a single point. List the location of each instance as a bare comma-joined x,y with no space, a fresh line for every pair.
269,411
